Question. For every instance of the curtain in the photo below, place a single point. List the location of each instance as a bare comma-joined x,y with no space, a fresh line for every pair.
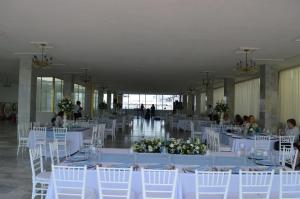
247,98
218,95
203,102
289,94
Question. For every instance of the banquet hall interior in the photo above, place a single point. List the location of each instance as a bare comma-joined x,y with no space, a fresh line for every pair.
149,99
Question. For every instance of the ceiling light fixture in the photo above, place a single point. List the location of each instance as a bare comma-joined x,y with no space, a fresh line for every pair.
247,65
42,60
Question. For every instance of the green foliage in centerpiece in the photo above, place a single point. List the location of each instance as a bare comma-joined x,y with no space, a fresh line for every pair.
221,107
188,147
148,146
103,106
66,105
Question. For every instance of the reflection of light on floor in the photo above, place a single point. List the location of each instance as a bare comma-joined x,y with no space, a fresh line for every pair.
147,128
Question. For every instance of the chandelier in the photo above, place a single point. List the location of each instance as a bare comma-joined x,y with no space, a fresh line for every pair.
42,60
248,65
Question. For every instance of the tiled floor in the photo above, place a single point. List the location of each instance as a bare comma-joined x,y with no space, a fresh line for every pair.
15,172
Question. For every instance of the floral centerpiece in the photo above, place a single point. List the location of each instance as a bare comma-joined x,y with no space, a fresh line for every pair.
148,146
66,105
221,107
188,147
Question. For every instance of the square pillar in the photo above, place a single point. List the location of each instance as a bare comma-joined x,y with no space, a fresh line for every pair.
25,91
190,105
210,94
229,93
88,99
198,102
269,99
184,102
108,100
68,89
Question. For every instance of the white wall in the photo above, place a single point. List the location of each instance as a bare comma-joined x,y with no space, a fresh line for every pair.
9,94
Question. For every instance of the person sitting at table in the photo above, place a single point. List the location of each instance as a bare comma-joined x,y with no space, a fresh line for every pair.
252,126
226,119
292,129
59,121
246,120
238,120
77,110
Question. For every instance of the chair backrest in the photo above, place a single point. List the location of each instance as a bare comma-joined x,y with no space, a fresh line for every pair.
212,183
36,161
159,183
60,134
289,156
22,131
289,184
286,141
255,184
114,182
69,181
262,143
54,153
39,134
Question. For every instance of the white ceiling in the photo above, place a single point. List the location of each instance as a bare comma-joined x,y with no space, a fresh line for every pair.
149,45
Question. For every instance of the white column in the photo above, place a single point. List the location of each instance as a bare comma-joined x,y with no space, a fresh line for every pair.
210,93
109,100
269,100
88,99
229,93
68,86
198,102
24,92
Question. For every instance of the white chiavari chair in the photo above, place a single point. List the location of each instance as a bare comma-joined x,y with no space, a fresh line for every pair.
60,136
114,182
255,184
212,183
215,144
159,184
289,157
193,132
284,143
40,178
70,182
22,137
54,153
39,134
89,141
111,131
289,184
262,143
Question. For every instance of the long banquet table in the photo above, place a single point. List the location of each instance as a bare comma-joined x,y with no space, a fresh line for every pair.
236,142
74,138
186,182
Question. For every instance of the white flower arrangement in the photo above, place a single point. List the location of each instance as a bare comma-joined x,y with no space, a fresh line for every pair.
188,147
148,146
66,105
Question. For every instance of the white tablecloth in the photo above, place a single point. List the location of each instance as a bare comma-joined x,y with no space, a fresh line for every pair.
185,186
74,140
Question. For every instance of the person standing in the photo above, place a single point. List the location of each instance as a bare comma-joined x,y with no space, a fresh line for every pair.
152,110
77,110
142,110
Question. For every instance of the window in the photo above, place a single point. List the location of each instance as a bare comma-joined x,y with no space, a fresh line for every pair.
79,94
218,95
247,98
49,92
161,102
95,100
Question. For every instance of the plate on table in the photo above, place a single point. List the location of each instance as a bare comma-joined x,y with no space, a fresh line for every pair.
266,163
236,136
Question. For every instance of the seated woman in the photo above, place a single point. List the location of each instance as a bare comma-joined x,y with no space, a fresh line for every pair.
238,120
226,119
292,130
59,121
252,126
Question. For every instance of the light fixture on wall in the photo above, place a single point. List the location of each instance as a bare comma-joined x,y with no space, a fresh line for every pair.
247,65
42,59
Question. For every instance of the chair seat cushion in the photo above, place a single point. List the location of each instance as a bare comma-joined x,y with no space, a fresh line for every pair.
43,177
